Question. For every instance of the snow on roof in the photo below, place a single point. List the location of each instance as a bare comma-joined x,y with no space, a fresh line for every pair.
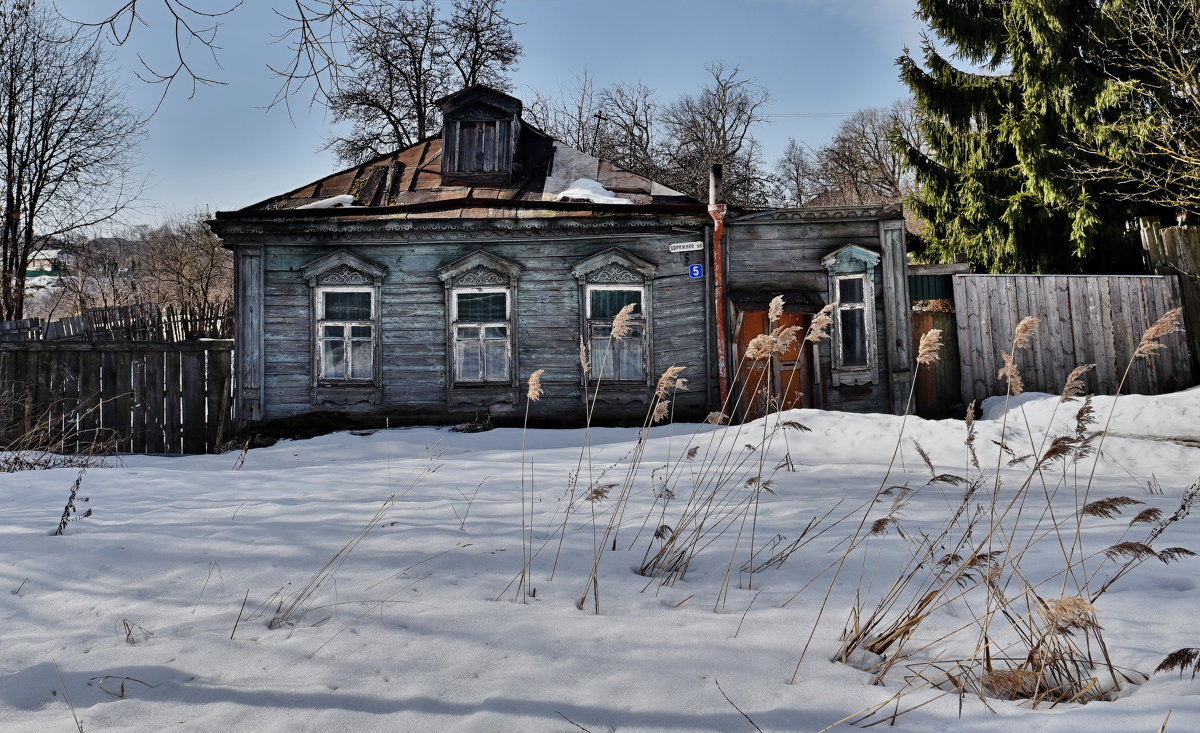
590,190
344,199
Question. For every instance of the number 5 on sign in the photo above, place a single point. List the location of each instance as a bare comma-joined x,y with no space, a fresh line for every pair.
695,271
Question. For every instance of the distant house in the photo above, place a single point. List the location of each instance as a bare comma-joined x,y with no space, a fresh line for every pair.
52,262
425,285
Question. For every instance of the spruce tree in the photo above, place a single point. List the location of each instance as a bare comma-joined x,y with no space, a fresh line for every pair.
995,185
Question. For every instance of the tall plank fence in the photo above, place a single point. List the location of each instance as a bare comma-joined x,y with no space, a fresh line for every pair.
139,396
1084,320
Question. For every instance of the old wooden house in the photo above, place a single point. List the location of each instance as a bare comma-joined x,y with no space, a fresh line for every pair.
425,285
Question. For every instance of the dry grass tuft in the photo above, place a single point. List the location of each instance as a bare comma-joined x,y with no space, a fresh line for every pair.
716,418
1170,323
818,330
622,321
584,363
1026,330
1181,659
670,380
775,310
1130,551
1108,508
931,342
661,409
1068,614
1010,374
1147,516
535,385
759,347
1075,384
1009,684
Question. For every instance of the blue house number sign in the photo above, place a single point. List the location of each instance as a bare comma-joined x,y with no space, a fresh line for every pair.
695,271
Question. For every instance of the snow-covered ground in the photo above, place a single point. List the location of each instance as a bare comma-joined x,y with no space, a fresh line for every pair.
418,628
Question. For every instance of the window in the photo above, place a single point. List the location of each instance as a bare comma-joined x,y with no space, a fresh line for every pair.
623,359
345,334
851,320
481,297
345,319
479,143
481,327
852,288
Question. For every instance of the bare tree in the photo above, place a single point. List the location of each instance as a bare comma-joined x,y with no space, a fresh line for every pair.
480,42
388,97
797,178
101,274
406,59
181,263
67,141
860,165
573,116
630,131
714,126
178,263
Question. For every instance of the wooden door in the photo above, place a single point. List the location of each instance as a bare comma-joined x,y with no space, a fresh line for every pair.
781,382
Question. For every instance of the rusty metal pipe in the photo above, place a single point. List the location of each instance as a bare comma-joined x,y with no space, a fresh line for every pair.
717,212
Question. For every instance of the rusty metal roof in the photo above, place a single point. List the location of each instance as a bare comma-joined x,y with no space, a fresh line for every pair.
408,184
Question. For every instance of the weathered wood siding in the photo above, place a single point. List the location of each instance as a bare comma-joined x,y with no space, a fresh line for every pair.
1084,320
781,255
413,339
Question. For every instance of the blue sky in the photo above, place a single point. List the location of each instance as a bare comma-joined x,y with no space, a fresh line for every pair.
221,150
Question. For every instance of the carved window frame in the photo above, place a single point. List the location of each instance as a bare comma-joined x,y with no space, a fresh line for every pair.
480,272
851,263
344,272
616,270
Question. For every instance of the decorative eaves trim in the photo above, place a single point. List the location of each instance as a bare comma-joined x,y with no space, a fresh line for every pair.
825,213
341,258
614,256
851,258
479,258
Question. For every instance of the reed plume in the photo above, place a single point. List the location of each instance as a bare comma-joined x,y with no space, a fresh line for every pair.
535,385
1171,322
931,342
621,322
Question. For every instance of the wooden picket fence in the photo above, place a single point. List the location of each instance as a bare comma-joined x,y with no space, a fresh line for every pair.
136,396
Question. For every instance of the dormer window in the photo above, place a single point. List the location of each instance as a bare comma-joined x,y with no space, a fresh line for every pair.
479,136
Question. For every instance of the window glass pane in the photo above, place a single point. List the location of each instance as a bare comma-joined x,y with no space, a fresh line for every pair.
628,356
342,306
600,354
466,332
850,290
333,359
360,332
495,360
607,303
360,359
333,331
467,360
481,306
495,332
854,338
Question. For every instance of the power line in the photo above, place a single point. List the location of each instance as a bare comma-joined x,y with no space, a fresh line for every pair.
809,114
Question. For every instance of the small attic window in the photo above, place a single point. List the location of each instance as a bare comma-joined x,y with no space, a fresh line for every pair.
479,136
478,148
